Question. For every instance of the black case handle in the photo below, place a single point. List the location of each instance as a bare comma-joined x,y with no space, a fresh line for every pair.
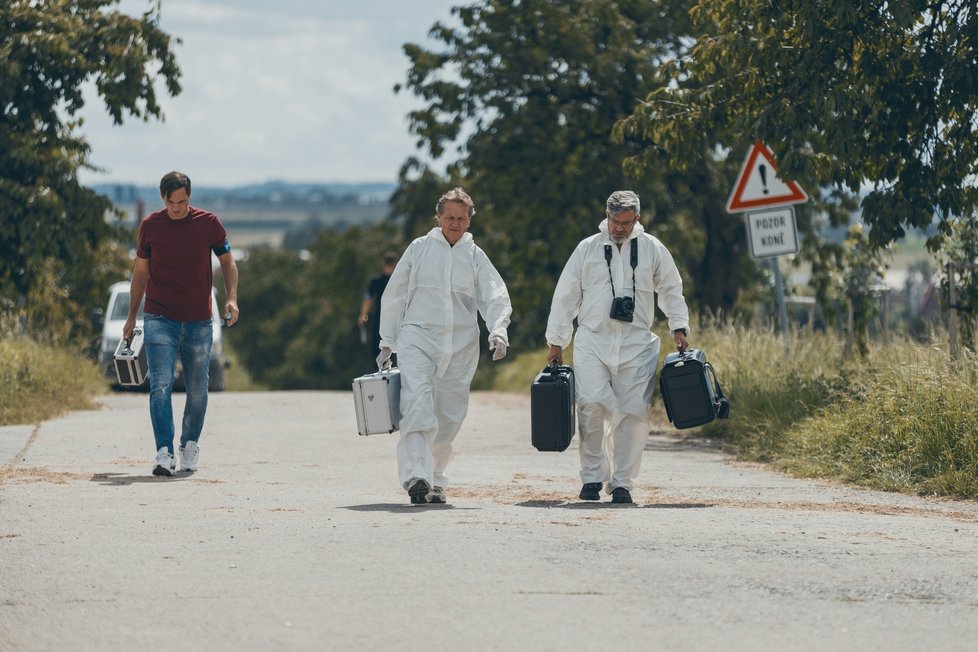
553,369
127,350
723,405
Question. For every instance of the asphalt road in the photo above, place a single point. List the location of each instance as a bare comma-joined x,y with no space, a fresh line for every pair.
294,535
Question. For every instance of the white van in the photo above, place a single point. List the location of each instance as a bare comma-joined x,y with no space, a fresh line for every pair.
115,318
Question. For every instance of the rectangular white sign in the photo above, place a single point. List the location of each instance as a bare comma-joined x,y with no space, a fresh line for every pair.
772,233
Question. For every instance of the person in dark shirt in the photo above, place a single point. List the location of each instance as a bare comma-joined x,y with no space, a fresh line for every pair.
173,269
370,307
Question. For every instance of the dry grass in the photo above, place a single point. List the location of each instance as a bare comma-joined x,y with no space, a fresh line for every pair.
40,382
900,419
908,425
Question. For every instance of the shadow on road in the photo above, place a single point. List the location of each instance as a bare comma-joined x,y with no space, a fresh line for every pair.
123,479
664,442
679,505
563,504
401,509
608,505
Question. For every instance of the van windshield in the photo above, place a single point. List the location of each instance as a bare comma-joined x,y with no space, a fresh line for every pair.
120,308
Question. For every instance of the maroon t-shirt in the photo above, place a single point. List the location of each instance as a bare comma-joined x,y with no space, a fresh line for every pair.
179,253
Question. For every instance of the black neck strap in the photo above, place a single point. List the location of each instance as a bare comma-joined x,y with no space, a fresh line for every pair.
634,263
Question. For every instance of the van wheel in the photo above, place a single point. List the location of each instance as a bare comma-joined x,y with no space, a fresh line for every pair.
215,382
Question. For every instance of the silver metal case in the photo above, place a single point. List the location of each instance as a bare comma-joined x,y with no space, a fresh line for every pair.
377,398
131,367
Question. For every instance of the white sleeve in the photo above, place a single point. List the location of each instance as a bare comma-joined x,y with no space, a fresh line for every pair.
393,303
567,301
493,297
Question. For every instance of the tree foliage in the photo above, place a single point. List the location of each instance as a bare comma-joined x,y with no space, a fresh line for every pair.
960,251
850,93
301,327
520,103
52,228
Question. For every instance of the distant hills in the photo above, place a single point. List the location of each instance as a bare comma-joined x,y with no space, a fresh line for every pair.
272,207
270,192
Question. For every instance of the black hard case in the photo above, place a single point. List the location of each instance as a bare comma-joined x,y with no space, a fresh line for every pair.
690,389
552,418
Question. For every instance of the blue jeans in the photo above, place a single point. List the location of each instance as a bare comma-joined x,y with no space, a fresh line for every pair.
164,339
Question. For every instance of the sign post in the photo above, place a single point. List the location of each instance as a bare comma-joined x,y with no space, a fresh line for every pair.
768,202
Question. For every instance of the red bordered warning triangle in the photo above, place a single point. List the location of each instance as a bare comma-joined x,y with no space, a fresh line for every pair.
758,185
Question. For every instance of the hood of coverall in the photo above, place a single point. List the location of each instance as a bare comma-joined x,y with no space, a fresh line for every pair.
436,233
637,230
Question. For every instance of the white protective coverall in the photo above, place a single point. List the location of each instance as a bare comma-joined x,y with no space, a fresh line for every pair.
615,362
429,318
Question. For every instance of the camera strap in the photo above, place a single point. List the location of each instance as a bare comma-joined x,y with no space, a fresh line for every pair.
634,263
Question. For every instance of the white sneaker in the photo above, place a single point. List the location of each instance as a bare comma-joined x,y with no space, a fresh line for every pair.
436,495
188,456
164,462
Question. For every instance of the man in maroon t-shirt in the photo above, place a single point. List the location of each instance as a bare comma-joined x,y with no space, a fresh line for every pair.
173,270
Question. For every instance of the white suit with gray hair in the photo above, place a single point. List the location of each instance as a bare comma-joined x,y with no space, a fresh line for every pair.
615,362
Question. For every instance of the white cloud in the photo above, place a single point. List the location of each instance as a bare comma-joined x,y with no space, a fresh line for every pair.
301,92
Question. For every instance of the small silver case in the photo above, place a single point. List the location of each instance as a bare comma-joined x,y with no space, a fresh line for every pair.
130,360
377,398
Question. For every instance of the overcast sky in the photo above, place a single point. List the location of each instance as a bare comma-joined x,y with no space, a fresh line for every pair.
296,90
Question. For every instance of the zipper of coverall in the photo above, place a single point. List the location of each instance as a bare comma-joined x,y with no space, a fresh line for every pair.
449,335
619,327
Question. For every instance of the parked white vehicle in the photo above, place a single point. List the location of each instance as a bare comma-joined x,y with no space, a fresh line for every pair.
115,317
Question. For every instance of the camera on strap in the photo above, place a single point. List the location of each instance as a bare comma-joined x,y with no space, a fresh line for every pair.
622,308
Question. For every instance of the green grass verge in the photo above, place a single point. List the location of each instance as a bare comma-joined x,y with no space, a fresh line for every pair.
908,425
38,382
901,419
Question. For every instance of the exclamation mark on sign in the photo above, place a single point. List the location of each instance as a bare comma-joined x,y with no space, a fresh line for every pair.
763,170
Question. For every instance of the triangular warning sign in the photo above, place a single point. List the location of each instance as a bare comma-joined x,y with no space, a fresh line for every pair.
758,185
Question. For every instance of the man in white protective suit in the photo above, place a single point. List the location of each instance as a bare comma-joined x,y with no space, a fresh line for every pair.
429,317
609,285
